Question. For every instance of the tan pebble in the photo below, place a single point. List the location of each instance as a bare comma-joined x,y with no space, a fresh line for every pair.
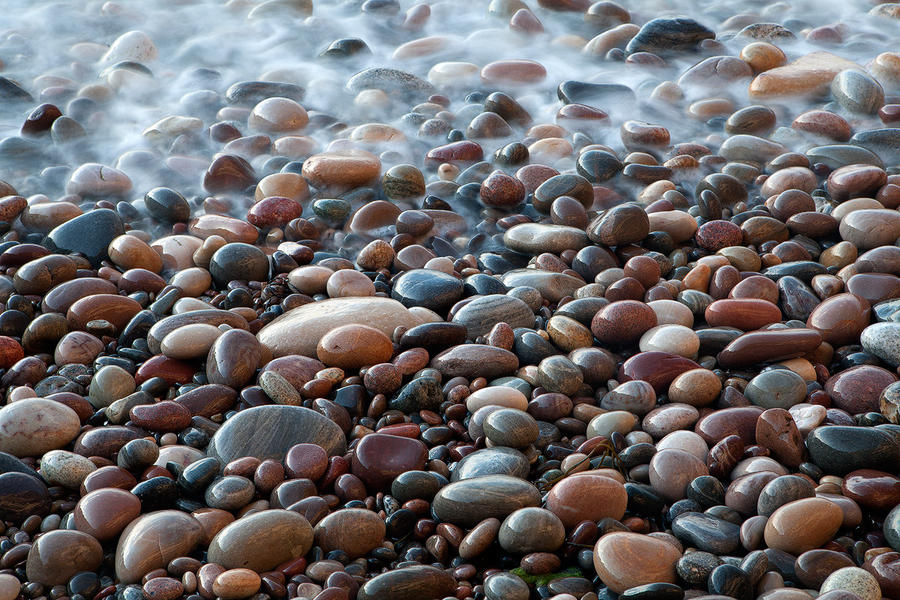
348,282
236,583
129,252
310,279
278,115
193,282
190,341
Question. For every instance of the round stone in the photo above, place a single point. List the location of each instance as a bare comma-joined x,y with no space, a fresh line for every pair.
270,431
354,346
531,529
854,580
672,470
261,541
587,497
434,290
466,503
623,322
778,388
33,426
511,427
802,525
624,560
238,261
105,512
58,555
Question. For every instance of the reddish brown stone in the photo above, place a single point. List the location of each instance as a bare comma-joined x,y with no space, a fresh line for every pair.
162,416
872,489
173,371
108,477
274,211
745,314
140,280
858,389
886,569
379,458
63,296
874,287
855,181
228,173
462,153
118,310
623,322
740,421
500,190
658,369
715,235
840,319
105,512
824,123
764,346
777,431
105,441
208,400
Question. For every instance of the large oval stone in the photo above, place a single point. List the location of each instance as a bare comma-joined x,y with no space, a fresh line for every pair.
410,583
379,458
481,314
840,319
356,531
233,358
57,555
587,497
624,560
839,449
33,426
154,539
270,431
298,331
466,503
802,525
261,541
104,513
475,360
22,494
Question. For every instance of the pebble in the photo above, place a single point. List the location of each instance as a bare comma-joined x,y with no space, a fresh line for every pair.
284,426
573,499
300,330
58,555
33,426
261,541
531,529
624,560
853,580
468,502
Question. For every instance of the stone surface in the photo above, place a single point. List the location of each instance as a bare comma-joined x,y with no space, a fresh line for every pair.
270,431
33,426
624,560
261,541
57,555
299,331
408,583
152,540
466,503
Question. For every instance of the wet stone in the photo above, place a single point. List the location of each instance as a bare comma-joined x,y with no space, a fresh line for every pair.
270,431
432,289
662,36
491,461
707,533
89,234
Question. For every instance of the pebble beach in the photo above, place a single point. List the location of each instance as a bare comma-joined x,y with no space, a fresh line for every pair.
449,299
